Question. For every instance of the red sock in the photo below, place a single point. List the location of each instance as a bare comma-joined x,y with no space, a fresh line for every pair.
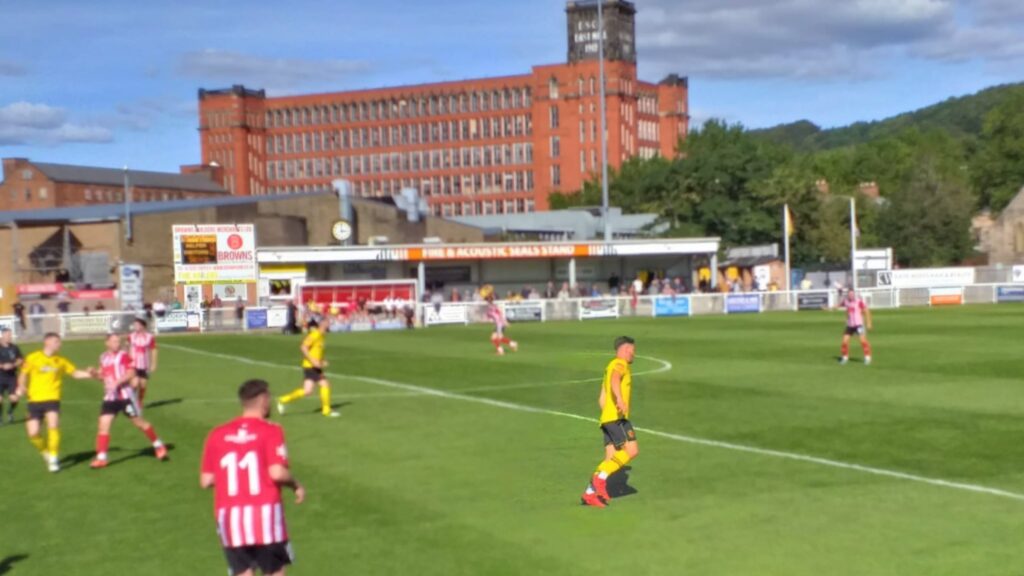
505,340
102,443
866,347
151,434
845,349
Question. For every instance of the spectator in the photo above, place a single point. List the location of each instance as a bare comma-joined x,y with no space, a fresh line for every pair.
159,308
63,306
679,286
36,312
291,322
456,296
638,286
564,293
239,311
19,312
100,307
437,299
655,287
806,283
533,295
85,310
594,292
550,293
176,304
613,284
216,307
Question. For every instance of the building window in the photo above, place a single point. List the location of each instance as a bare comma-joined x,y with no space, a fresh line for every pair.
583,161
556,175
88,195
26,174
43,193
553,88
556,147
553,117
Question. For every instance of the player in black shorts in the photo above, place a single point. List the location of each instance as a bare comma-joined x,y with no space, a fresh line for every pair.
269,558
10,360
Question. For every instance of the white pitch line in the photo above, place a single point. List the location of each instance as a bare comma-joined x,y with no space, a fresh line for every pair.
976,488
665,367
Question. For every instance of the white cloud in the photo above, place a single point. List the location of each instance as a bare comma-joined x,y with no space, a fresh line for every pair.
819,39
273,74
27,123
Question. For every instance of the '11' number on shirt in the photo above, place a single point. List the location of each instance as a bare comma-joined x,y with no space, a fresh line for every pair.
250,463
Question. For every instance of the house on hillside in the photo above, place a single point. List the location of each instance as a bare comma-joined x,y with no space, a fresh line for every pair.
1004,239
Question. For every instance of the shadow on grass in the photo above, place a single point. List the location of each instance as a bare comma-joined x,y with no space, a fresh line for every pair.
8,562
162,403
72,460
618,484
143,453
337,406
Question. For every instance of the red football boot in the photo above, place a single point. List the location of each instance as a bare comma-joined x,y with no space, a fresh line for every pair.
592,499
601,487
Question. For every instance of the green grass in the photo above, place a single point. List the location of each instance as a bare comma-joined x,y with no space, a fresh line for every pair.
425,485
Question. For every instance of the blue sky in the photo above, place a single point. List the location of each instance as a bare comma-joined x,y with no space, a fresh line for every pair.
113,82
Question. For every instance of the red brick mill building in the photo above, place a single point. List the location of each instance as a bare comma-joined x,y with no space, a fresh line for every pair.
486,146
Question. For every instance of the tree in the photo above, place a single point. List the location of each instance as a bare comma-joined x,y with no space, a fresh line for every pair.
928,220
998,168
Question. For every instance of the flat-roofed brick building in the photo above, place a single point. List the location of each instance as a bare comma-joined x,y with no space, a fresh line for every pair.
484,146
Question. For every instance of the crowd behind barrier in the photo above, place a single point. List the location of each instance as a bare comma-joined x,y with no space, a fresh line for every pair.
378,316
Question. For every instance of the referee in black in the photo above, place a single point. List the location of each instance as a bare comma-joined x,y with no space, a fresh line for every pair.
10,361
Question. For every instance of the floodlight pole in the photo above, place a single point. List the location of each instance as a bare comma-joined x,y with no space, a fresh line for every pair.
853,241
127,208
604,130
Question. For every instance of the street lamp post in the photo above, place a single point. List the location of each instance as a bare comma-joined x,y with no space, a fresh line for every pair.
604,131
127,208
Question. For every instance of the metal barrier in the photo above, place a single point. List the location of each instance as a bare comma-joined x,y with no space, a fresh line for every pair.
233,320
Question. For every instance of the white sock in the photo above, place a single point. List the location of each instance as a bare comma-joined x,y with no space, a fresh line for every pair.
602,475
158,444
590,490
101,456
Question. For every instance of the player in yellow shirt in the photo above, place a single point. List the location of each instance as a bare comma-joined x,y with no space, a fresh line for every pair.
313,365
619,437
42,376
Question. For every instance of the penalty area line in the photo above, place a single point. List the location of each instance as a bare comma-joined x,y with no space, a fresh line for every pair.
426,391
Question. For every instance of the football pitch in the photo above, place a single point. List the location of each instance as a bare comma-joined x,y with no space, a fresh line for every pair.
759,455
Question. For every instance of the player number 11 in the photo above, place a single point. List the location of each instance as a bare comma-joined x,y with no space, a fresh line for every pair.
250,463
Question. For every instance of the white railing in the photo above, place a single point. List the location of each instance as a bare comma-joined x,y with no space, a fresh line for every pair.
229,320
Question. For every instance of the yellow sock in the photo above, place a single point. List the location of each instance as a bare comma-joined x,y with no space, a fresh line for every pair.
298,394
38,442
53,441
325,399
618,460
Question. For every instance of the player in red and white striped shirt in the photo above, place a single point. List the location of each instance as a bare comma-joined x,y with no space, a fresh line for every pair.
117,373
143,350
246,463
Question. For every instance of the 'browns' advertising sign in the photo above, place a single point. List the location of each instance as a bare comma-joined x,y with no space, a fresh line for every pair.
214,253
